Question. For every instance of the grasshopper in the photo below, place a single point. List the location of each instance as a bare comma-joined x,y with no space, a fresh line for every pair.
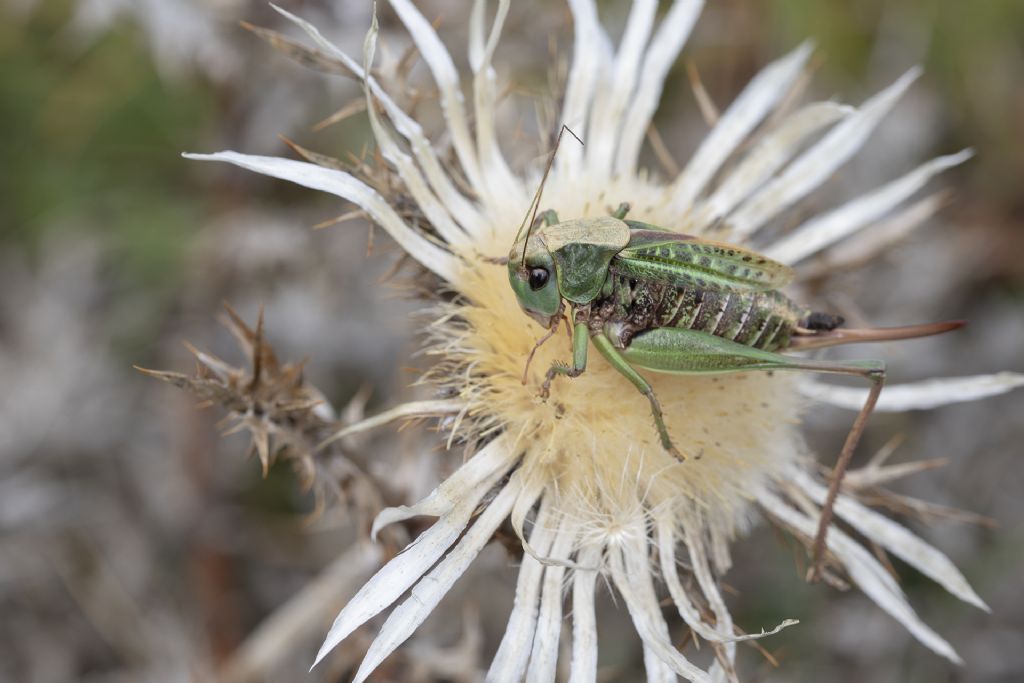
651,299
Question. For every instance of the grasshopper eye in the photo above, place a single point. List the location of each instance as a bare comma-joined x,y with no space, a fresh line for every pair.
538,278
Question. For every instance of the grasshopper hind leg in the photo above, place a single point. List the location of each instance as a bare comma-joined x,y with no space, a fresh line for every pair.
615,359
680,351
877,378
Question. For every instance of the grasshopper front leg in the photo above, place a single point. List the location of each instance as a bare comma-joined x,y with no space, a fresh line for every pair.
579,363
579,360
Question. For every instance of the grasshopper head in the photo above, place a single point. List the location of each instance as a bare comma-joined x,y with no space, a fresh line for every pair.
534,282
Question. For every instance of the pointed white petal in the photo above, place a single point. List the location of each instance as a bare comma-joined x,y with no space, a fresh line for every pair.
533,486
692,529
876,239
544,657
768,156
447,78
346,186
493,460
481,49
424,597
823,231
408,170
404,410
897,539
720,539
631,573
394,578
610,101
924,395
592,55
718,674
656,670
460,207
864,570
513,655
668,41
584,620
492,162
666,530
753,104
817,164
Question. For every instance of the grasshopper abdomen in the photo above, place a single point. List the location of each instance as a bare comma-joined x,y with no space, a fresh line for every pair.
763,320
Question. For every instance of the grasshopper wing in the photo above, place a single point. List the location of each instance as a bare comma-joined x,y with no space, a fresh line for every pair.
686,261
582,250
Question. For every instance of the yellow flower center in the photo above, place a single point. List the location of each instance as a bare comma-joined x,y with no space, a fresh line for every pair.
594,436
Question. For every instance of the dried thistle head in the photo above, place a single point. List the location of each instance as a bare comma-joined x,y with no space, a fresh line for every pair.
286,416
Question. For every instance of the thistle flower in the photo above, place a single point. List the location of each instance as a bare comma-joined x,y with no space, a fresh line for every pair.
582,478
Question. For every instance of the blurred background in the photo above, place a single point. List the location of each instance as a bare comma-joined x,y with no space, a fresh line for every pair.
136,544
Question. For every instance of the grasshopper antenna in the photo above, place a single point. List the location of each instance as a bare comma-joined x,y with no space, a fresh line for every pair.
535,204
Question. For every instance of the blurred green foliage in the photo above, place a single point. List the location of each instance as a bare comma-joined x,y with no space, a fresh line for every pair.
972,51
92,142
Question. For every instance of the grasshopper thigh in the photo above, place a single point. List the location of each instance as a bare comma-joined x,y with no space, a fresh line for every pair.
680,351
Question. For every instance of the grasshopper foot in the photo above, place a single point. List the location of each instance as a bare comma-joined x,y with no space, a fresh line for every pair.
659,424
557,368
675,452
545,388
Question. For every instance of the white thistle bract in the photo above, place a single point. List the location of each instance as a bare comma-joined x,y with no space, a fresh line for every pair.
582,476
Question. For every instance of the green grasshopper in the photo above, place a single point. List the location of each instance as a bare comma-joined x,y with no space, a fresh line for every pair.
652,299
